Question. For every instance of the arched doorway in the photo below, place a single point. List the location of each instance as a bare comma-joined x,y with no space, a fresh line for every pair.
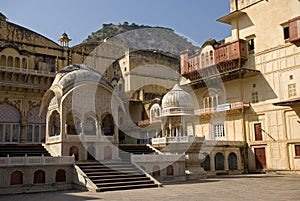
107,153
156,171
219,161
206,163
232,161
170,170
74,151
16,178
60,176
39,177
91,153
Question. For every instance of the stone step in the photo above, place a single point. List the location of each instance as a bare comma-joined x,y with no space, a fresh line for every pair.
127,187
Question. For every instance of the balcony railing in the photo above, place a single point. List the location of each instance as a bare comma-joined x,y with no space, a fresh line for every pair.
177,139
150,158
27,71
222,108
36,160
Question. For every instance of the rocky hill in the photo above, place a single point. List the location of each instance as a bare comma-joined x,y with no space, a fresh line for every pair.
137,37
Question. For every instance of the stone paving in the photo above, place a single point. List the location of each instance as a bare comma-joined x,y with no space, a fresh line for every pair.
242,187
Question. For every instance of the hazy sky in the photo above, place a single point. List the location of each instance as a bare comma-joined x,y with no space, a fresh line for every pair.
194,19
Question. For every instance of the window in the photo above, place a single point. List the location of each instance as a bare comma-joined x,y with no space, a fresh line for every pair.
297,150
218,130
251,45
257,131
254,97
292,90
286,32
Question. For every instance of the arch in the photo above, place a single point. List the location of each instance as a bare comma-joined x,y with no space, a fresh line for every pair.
91,153
107,153
17,62
206,163
39,177
2,60
74,151
155,112
60,175
73,123
90,125
107,125
54,123
156,171
16,178
219,161
24,63
232,161
9,114
10,61
170,170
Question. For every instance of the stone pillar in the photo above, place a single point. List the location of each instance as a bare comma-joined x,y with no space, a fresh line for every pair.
212,162
23,130
226,165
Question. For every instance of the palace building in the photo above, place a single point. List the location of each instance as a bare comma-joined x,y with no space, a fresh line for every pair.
101,117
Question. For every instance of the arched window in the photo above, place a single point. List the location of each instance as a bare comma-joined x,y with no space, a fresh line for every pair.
55,124
170,170
211,56
206,163
219,161
155,112
156,171
16,178
232,161
10,61
107,153
74,151
73,124
39,177
90,126
60,176
202,60
3,60
107,125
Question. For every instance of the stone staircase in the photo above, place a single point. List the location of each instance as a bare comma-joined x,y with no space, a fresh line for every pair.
19,150
115,175
125,150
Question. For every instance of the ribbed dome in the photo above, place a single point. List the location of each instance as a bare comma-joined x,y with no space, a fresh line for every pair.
178,98
76,73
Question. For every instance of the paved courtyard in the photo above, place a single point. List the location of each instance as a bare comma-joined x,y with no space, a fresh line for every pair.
242,187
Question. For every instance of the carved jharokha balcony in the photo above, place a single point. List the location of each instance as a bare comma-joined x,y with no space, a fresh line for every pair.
229,59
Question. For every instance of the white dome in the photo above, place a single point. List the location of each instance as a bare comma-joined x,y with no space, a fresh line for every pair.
178,101
67,77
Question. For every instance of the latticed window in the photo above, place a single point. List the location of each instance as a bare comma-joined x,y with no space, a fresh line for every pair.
218,130
255,97
292,90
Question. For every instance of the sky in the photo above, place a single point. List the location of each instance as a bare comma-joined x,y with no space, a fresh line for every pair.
194,19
